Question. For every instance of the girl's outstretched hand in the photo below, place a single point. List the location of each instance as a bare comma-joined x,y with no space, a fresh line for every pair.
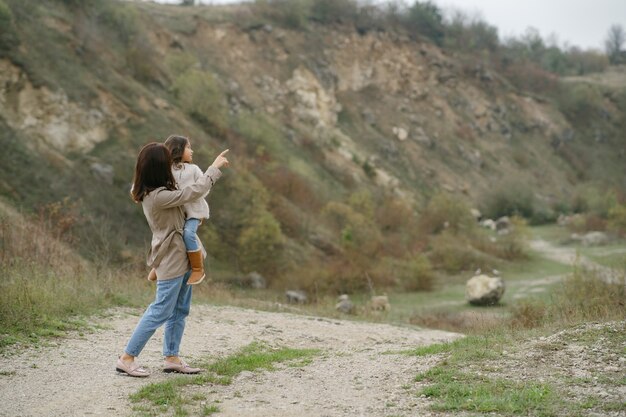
221,160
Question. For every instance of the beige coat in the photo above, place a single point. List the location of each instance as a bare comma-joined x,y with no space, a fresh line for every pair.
164,211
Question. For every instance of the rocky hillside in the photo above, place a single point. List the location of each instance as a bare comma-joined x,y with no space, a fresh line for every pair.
312,116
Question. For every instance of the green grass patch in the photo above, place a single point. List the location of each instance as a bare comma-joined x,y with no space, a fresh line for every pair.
257,356
160,396
433,349
459,391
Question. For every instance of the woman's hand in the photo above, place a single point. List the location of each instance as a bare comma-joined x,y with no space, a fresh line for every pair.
221,160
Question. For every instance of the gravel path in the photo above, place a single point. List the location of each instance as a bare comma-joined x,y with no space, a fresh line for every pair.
354,375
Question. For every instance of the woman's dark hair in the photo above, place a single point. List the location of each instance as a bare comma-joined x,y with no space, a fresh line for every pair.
153,170
176,144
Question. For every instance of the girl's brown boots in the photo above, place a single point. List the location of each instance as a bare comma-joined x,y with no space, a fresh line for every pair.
197,267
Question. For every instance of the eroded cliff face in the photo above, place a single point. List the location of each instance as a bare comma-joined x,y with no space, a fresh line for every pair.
417,116
419,119
51,119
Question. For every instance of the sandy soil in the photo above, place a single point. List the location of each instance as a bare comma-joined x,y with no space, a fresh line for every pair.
354,375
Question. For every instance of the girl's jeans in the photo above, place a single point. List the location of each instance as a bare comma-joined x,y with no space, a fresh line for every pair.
189,234
171,306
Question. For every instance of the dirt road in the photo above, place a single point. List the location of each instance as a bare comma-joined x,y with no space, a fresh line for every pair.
354,375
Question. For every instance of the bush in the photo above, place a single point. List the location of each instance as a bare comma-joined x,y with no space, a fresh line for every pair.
263,137
465,34
416,274
292,14
329,11
510,246
201,97
509,198
260,245
121,19
140,57
579,102
454,254
617,219
8,34
446,212
356,232
425,19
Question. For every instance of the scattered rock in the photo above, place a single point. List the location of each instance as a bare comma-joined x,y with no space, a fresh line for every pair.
344,305
296,297
103,172
380,303
483,290
591,238
400,133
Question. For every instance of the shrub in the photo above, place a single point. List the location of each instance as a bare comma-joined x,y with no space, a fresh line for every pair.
510,246
8,34
328,11
178,63
416,274
467,34
528,314
454,254
122,19
579,102
284,182
509,198
140,57
201,97
356,232
446,212
263,137
289,13
260,244
617,219
395,215
425,19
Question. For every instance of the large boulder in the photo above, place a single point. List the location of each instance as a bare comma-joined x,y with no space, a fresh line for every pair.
483,290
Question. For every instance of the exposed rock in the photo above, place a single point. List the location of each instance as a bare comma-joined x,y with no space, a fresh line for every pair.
296,297
51,116
380,302
344,305
484,290
161,104
256,280
422,138
314,104
476,213
104,172
252,280
503,223
400,133
591,238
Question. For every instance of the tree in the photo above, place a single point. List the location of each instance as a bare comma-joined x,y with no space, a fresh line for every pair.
426,19
614,42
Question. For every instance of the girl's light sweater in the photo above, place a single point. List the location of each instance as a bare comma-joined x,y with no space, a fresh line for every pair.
186,174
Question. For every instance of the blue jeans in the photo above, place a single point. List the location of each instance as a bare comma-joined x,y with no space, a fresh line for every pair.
189,234
171,306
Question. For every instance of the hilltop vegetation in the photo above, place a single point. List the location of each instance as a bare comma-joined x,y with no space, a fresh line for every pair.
360,137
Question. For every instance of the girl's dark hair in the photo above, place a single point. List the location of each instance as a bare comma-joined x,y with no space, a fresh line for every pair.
176,144
153,170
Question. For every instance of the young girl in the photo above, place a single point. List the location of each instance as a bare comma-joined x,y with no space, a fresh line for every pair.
155,188
186,173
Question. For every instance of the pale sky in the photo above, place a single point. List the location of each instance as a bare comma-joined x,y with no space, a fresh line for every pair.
583,23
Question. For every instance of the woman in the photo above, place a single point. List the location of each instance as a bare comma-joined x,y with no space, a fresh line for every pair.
155,188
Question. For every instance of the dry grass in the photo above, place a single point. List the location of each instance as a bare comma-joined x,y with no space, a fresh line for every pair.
45,285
